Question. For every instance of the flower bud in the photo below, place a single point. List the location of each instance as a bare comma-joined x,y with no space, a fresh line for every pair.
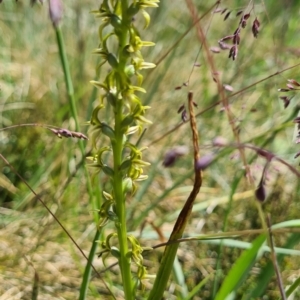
219,141
204,161
255,27
260,192
127,185
172,155
55,11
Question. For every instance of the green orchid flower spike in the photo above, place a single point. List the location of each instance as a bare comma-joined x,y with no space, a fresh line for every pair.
120,50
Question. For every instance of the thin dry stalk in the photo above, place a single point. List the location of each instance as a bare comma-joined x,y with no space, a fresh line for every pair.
185,33
274,260
228,97
180,225
187,209
224,99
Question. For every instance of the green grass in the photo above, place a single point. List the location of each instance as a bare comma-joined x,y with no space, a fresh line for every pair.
33,90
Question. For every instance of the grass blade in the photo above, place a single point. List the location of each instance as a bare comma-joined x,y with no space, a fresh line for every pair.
240,269
293,287
180,280
88,268
268,271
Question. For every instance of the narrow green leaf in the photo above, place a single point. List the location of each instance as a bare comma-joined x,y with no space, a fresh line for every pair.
240,268
198,287
290,223
180,279
268,271
293,287
88,268
244,245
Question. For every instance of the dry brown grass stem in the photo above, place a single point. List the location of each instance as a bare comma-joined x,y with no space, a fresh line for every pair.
274,260
229,234
224,100
188,206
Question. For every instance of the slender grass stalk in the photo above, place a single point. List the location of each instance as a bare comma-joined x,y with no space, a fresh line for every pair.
67,74
87,272
95,203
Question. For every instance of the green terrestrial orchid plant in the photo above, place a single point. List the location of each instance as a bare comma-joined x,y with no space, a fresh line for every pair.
119,92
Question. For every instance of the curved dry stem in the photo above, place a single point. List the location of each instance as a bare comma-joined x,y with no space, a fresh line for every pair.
179,227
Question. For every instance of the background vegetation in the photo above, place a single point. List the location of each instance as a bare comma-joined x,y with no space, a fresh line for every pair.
32,245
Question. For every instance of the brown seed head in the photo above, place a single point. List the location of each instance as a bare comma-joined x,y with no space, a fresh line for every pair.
255,27
233,52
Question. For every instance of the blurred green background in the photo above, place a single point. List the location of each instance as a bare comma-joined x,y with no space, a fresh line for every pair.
33,91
